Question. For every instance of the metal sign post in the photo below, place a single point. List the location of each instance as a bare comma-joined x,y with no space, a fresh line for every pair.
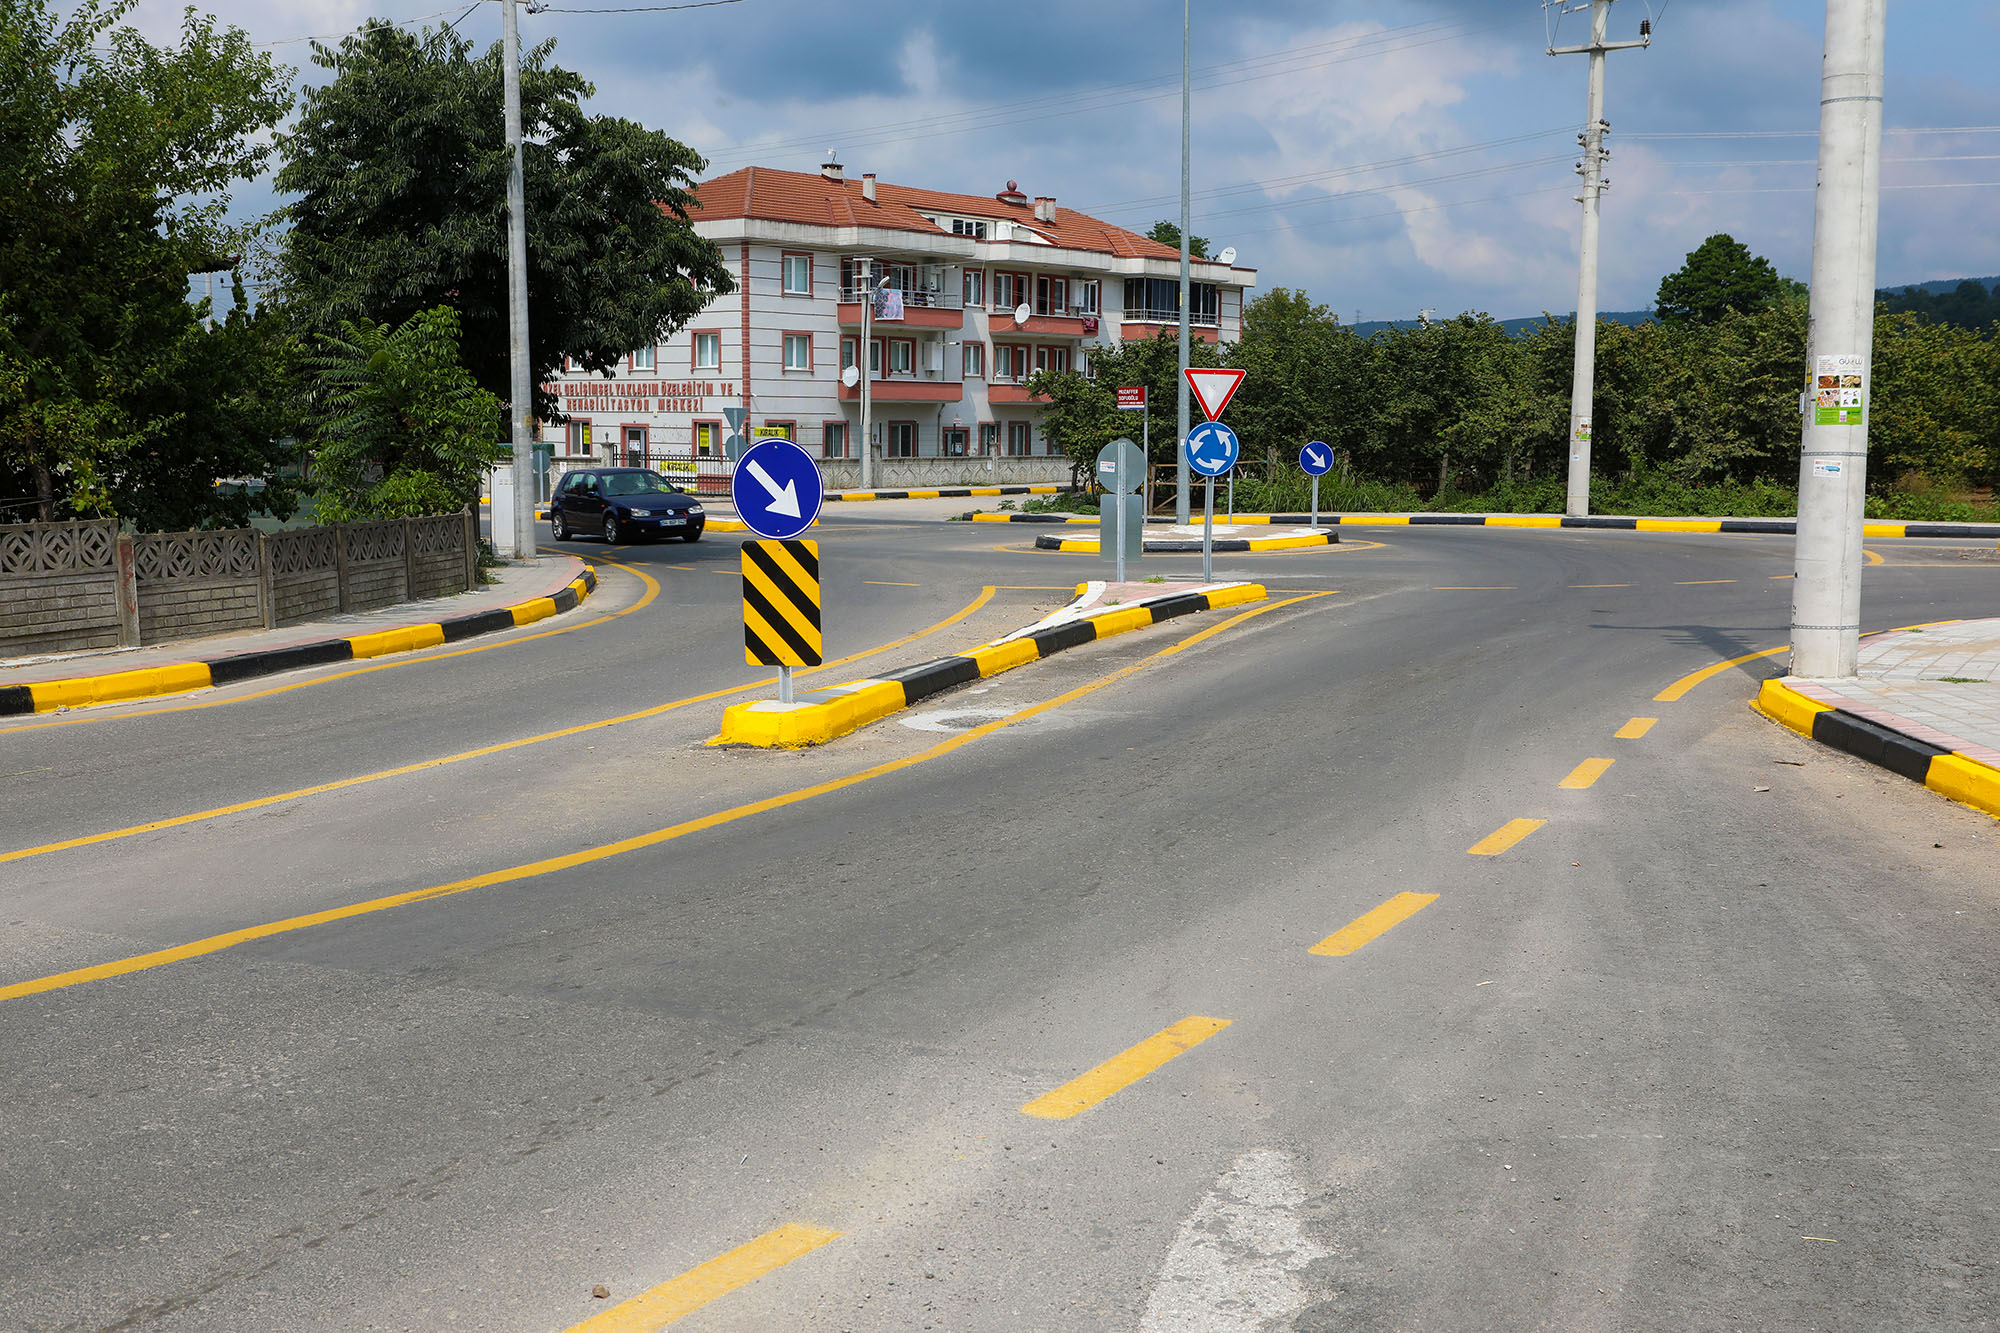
1316,458
1121,472
776,490
1211,449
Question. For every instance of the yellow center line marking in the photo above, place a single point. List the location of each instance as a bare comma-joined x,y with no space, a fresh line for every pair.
1494,843
1600,585
1635,728
534,869
878,583
652,590
657,710
1124,1069
1873,557
1784,576
718,1277
1585,773
685,569
1696,583
1694,678
1501,587
1367,926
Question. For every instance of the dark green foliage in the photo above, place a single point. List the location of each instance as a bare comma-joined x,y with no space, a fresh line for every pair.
400,168
1720,275
1169,233
1968,306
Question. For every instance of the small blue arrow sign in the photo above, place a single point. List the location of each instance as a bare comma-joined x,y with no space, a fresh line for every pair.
776,489
1212,448
1316,458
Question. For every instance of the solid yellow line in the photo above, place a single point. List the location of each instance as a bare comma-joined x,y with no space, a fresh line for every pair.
1585,773
1124,1069
1500,839
1367,926
1600,585
985,595
717,1278
1694,678
1634,729
229,940
1873,557
1696,583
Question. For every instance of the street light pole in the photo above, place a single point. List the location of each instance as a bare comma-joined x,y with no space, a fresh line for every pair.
520,388
1833,455
1187,225
1583,374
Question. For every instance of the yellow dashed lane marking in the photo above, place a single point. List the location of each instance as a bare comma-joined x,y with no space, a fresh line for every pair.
1585,773
1124,1069
1500,839
1370,924
718,1277
1696,583
1635,728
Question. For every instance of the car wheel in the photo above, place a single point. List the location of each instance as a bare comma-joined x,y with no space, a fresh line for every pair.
610,529
558,530
691,535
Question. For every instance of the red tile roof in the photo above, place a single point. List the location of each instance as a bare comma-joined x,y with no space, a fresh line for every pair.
808,197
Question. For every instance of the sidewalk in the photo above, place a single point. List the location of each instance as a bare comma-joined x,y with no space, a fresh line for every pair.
1926,704
520,595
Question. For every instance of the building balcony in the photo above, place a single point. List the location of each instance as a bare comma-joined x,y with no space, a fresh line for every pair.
1002,393
1139,324
921,310
907,391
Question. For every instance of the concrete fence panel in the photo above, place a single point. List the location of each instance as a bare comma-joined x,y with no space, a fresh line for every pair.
305,574
374,568
195,583
59,586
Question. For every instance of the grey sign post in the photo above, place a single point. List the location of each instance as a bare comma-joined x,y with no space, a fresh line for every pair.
732,447
1315,459
1121,472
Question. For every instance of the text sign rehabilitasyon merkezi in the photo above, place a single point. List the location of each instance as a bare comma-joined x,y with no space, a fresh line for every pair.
776,489
781,604
1212,448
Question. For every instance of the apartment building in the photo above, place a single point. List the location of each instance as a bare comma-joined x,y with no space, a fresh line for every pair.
974,294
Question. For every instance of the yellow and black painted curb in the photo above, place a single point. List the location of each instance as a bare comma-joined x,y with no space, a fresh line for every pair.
844,708
1767,526
1946,772
942,493
1170,545
179,677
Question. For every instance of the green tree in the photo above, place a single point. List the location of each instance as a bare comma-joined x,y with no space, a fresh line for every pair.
1082,416
399,426
1153,364
399,166
1308,377
1169,234
1452,401
1720,274
117,157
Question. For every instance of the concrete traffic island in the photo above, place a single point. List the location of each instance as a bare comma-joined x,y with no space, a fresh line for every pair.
1099,611
1228,538
1925,704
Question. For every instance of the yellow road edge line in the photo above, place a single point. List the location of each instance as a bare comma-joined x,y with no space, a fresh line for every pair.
700,1285
532,869
1376,921
1966,781
1508,834
1585,773
1680,687
1697,583
1121,1071
1634,729
361,779
117,686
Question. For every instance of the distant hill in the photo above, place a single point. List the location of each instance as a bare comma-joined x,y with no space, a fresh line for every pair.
1516,327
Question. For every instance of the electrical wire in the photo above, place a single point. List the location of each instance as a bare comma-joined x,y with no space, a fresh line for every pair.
633,9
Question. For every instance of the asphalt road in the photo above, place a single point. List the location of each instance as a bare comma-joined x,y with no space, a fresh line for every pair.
1702,1049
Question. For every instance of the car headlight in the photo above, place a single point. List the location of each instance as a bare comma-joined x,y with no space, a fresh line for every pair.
694,509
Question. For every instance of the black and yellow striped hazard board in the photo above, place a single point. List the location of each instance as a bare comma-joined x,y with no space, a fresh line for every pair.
781,604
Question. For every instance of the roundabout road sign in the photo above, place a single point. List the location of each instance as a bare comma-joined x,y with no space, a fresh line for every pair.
776,489
1212,448
1316,458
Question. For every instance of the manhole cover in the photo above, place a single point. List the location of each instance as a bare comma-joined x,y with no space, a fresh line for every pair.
956,719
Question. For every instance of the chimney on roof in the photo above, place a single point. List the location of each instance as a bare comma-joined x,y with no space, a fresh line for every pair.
1012,195
830,169
1045,208
868,186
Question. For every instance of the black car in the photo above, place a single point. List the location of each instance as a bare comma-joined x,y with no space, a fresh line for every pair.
623,504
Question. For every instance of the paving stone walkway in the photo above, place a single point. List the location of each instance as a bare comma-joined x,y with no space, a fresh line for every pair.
1940,684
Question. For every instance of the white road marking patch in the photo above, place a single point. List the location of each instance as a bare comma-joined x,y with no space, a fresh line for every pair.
953,719
1234,1264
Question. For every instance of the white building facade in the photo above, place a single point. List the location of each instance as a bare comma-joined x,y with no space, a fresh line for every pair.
976,294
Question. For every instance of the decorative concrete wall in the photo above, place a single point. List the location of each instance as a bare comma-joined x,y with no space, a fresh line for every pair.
194,583
903,474
59,588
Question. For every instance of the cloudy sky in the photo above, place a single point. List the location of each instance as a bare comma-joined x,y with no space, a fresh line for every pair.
1383,157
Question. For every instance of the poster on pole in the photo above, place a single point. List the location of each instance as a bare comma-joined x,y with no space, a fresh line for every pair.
1837,391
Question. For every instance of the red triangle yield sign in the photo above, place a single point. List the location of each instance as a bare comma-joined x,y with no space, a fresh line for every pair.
1213,388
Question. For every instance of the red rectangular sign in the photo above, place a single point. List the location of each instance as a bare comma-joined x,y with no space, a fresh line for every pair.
1132,400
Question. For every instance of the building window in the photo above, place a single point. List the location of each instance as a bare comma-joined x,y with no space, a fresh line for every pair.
578,441
1052,359
1087,297
776,430
642,359
1009,289
957,442
707,436
975,361
636,447
798,275
989,437
798,351
1010,363
1158,301
1020,437
833,439
973,227
875,358
847,352
708,351
975,287
902,356
902,440
1051,296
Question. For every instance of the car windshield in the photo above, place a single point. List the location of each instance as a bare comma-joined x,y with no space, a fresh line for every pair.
637,483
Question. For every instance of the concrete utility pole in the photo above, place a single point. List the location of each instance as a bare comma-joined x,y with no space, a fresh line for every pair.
1187,225
864,273
1583,376
520,387
1833,455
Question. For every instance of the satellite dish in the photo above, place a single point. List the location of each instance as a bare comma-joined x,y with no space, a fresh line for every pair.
850,376
1228,255
1021,313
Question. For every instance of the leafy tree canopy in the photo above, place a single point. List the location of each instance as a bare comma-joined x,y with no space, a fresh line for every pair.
1720,274
400,164
117,157
1968,305
1169,233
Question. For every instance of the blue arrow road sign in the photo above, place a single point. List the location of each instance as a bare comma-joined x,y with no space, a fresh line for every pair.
1316,458
776,489
1212,448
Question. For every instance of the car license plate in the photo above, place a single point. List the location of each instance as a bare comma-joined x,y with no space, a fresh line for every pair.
674,518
